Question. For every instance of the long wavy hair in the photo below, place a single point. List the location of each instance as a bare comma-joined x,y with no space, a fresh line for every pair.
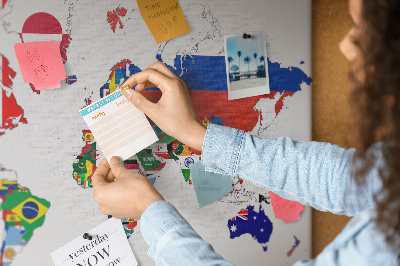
375,103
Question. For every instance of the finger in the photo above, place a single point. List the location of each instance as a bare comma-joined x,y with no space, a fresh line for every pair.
162,68
143,86
100,175
140,102
117,167
110,177
159,80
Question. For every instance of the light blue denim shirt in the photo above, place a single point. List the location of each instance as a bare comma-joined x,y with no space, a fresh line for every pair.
312,173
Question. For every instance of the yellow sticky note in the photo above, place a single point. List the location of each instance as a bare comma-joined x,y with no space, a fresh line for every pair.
164,18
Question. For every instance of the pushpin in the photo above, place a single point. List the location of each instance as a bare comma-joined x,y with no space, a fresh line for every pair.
87,236
246,36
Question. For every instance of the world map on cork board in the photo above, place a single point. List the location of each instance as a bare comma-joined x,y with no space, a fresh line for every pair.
48,154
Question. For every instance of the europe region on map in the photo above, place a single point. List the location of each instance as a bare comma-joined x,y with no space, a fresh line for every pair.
22,214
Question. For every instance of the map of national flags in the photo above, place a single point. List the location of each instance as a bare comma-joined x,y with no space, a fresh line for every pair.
209,94
248,221
22,213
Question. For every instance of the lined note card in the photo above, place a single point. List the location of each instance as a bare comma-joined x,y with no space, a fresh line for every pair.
118,126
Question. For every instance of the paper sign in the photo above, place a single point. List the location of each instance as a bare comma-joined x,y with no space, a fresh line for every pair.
284,209
118,126
209,186
164,18
41,64
109,246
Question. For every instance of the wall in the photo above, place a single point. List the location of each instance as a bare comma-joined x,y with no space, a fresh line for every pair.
331,89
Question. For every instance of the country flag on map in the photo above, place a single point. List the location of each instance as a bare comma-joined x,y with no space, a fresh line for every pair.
71,79
248,221
30,210
242,214
43,26
11,114
205,77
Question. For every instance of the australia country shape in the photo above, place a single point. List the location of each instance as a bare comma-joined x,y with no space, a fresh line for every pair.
248,221
11,114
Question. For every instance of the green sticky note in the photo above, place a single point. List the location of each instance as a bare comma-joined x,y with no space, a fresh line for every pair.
209,186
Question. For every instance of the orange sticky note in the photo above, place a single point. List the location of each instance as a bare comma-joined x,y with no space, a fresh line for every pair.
284,209
164,18
41,64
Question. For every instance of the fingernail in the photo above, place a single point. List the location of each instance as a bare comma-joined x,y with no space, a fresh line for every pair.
127,93
115,160
125,87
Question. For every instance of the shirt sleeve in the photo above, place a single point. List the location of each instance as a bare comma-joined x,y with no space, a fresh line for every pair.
312,173
172,240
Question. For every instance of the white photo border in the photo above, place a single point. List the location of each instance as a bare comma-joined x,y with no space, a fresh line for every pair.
247,92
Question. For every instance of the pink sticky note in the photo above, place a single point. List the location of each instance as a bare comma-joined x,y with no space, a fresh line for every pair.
41,64
286,210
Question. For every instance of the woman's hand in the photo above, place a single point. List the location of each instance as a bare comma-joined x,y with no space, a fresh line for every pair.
127,197
174,112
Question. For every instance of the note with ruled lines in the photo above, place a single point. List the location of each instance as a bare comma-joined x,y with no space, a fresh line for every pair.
118,126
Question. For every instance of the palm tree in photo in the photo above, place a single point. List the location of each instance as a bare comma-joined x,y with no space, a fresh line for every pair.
230,60
247,60
255,60
262,59
239,55
261,68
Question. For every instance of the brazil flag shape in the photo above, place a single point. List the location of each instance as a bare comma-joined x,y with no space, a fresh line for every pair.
30,210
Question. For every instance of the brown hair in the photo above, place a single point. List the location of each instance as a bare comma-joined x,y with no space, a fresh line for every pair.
376,108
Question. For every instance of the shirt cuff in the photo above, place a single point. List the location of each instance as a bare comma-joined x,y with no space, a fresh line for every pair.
158,219
221,149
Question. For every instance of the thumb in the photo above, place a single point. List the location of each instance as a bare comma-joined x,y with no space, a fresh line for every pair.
117,167
138,100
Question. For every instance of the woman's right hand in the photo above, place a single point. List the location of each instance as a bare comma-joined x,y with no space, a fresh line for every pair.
174,112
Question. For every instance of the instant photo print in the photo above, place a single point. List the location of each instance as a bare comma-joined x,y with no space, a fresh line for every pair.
246,65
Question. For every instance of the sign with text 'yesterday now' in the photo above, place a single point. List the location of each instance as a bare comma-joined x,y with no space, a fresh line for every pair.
108,247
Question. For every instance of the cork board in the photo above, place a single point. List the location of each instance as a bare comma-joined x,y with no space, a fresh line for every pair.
330,97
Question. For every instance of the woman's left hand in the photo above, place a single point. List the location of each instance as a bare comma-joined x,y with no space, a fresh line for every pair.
127,197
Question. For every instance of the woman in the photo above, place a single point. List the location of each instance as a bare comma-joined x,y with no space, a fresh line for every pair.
362,182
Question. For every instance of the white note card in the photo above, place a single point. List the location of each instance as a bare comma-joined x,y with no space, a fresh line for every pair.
118,126
108,247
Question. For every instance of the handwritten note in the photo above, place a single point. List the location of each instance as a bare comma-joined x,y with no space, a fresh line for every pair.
118,126
41,64
164,18
109,246
284,209
209,186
